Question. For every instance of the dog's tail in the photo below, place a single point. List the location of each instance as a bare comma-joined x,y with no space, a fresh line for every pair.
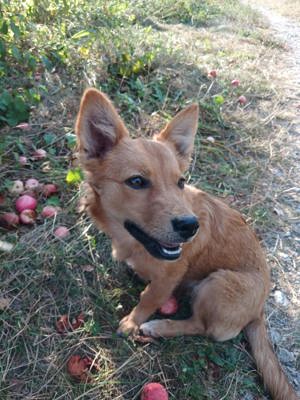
267,362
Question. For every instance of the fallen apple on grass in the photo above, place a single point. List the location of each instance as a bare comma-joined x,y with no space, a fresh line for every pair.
170,307
242,100
17,187
10,219
49,189
49,211
32,184
62,232
28,217
235,82
212,74
154,391
39,154
26,202
23,160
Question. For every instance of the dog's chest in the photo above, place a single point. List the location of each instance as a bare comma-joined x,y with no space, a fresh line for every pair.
135,264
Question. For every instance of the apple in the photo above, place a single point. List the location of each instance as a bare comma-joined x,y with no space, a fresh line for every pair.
154,391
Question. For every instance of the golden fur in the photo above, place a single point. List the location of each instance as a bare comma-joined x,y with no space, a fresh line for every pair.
224,261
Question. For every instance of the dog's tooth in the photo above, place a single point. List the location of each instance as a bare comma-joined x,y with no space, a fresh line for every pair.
171,252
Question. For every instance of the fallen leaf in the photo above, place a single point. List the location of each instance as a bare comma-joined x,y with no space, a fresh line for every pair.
81,368
88,268
78,321
24,126
4,303
63,324
214,371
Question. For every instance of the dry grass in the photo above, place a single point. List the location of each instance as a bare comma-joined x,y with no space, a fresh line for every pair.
249,164
288,8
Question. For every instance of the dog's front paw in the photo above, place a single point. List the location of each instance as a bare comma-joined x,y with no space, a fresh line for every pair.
127,327
151,328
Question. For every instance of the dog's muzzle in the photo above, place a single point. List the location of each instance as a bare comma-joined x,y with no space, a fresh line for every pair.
186,226
157,249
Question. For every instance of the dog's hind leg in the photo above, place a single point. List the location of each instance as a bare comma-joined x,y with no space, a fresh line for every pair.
223,304
168,327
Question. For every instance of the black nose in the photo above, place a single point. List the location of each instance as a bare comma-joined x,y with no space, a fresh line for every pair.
186,226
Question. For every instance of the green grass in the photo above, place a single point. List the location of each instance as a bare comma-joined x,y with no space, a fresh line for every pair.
49,52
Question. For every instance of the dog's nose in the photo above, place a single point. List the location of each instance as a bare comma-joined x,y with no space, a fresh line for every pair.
186,226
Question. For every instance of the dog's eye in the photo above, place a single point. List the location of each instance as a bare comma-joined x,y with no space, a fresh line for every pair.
181,183
137,182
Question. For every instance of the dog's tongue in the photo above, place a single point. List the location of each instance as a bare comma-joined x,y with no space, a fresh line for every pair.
169,245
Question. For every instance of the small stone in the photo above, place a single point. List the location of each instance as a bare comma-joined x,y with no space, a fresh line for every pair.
275,336
280,298
210,139
286,356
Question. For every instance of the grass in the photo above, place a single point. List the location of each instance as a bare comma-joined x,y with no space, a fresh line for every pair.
288,8
58,49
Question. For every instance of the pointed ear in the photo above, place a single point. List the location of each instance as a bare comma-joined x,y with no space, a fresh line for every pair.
180,132
98,126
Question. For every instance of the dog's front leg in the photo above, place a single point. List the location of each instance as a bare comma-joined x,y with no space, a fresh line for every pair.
152,298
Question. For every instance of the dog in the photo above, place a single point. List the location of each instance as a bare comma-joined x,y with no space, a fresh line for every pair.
173,234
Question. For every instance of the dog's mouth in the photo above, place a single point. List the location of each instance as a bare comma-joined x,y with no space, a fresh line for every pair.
157,249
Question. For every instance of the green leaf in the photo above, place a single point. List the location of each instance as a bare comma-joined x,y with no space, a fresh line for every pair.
53,201
31,61
16,53
74,176
47,63
2,49
49,138
218,99
71,139
15,29
4,28
5,99
80,34
20,104
137,66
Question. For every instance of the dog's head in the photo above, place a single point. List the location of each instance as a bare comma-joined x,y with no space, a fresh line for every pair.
139,181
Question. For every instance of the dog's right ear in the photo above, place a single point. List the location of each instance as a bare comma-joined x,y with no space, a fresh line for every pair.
98,126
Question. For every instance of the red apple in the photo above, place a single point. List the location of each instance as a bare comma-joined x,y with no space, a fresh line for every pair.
154,391
170,307
10,218
39,154
61,232
49,189
49,211
32,184
212,73
28,217
242,100
26,202
23,160
235,82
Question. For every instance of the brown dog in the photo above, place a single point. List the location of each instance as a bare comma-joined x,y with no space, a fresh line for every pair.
173,234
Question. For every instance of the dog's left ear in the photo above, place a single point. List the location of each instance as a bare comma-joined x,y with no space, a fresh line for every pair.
180,133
